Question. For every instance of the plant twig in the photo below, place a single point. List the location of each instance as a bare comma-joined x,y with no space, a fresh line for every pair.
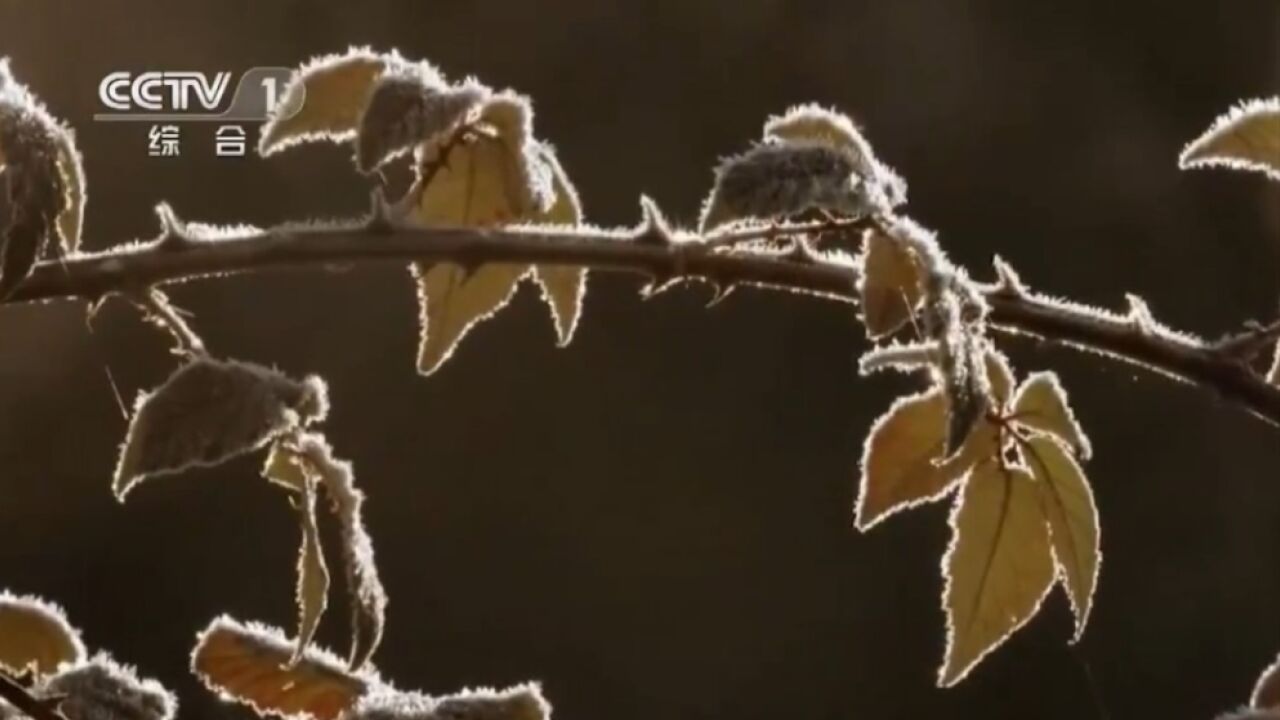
1158,349
13,692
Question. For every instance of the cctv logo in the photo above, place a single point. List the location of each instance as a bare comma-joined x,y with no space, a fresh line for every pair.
162,91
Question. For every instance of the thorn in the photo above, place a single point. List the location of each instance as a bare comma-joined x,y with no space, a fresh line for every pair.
1007,280
654,228
1139,314
173,232
801,251
721,291
380,212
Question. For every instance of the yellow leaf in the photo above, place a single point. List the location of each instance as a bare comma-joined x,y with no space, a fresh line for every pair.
1266,692
1245,138
453,302
313,575
998,568
900,460
34,633
494,179
250,664
563,286
891,286
325,99
1041,404
1073,521
1000,377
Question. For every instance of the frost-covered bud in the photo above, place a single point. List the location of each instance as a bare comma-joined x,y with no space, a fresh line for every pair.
102,689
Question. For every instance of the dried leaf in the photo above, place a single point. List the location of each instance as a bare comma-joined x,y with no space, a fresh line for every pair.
563,286
102,689
891,284
74,194
325,99
773,181
209,411
1266,692
999,377
313,575
283,467
368,598
901,459
36,634
998,568
250,664
1041,404
1246,138
522,702
496,178
1073,521
407,109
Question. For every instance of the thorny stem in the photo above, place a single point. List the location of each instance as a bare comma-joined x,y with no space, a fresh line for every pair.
1013,309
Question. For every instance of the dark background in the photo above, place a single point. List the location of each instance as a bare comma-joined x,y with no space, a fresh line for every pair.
656,522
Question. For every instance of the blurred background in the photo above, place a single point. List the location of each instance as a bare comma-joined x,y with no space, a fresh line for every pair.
657,521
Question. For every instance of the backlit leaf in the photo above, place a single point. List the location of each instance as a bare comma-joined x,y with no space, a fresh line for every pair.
103,689
368,599
34,633
563,286
74,194
325,99
1266,692
901,459
210,411
313,576
1073,521
496,178
1245,138
890,287
998,568
522,702
250,664
408,108
283,467
1041,404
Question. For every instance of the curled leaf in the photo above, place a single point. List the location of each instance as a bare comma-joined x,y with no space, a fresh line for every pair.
368,598
35,634
1041,404
1073,521
998,567
813,123
250,664
210,411
407,109
1245,138
102,689
772,181
71,170
891,285
313,576
325,99
563,286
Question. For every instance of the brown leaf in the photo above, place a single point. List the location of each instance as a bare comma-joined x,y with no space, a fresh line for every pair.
1073,521
210,411
313,576
998,568
1266,692
891,285
36,634
250,664
563,286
